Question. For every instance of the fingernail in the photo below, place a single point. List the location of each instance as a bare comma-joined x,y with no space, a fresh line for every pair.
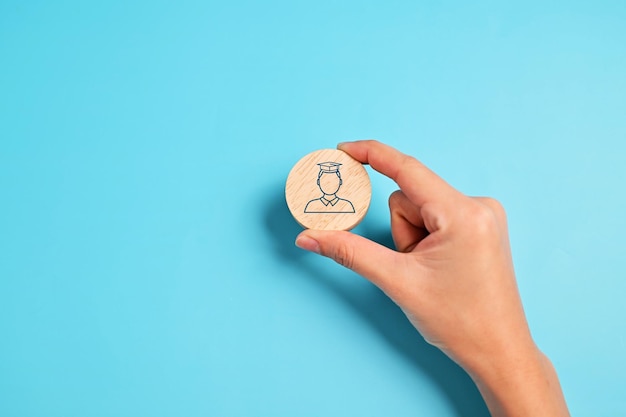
341,144
307,243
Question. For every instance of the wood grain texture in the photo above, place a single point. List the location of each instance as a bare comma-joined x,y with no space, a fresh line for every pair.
328,190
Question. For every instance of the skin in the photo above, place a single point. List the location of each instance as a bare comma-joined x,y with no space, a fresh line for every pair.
453,277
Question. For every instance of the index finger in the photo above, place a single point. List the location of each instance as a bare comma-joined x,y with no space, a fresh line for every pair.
419,184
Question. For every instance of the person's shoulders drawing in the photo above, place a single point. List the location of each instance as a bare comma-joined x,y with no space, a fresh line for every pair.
336,205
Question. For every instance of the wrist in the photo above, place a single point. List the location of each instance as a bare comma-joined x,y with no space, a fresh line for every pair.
520,382
504,362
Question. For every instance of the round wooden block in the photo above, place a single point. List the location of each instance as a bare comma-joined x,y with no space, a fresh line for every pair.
328,190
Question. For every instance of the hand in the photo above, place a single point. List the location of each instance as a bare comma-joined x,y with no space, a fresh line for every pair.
453,277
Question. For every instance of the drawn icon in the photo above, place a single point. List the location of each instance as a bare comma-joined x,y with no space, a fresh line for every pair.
329,180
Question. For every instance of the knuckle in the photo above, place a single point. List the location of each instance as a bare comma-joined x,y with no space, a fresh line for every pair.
482,220
491,206
408,161
495,205
497,208
344,255
406,166
369,143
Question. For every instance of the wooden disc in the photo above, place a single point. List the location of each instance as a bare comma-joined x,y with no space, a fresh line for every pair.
328,190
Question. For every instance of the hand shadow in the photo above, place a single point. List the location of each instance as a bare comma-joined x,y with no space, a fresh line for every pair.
377,310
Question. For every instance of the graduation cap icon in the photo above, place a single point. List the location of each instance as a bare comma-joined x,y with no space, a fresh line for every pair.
329,167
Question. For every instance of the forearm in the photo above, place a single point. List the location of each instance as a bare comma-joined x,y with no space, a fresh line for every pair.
520,383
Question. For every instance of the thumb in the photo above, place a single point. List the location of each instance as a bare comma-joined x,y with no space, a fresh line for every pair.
375,262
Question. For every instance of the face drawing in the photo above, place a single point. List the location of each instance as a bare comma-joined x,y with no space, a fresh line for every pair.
329,183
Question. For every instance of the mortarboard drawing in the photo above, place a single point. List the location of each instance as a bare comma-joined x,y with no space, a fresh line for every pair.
329,181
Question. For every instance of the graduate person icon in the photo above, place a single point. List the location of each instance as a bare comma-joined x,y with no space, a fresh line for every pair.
329,180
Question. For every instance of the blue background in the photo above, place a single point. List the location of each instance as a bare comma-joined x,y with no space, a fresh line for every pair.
147,265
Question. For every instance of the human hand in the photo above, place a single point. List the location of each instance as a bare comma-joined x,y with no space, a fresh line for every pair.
453,277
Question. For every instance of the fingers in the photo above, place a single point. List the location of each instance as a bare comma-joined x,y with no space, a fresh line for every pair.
418,183
407,224
369,259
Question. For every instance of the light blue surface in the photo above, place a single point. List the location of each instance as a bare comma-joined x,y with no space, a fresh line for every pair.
147,265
